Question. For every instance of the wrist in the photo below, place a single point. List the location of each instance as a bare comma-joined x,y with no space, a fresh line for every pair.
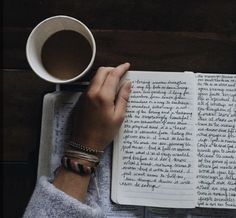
75,172
92,140
72,183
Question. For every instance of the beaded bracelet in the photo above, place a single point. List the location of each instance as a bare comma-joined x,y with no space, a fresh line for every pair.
76,167
84,148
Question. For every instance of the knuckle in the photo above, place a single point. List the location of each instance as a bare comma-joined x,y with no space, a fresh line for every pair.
122,117
119,119
100,69
89,95
101,97
125,98
113,73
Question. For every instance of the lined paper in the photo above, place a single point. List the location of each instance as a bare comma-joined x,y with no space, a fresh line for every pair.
216,140
156,162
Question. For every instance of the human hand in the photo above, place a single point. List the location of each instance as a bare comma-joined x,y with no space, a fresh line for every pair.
101,108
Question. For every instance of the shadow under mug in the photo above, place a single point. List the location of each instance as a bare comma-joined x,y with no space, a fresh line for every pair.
42,32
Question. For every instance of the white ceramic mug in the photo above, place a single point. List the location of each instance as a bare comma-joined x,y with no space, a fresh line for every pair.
42,32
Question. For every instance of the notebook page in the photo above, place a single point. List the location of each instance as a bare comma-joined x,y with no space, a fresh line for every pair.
216,140
65,103
104,180
55,130
154,163
45,148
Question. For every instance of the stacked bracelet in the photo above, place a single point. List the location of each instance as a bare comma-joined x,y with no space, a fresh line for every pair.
78,153
80,147
83,156
76,167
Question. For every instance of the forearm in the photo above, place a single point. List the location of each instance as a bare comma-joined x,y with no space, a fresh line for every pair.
50,202
72,184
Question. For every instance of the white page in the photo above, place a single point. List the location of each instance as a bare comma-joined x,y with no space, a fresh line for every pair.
154,152
46,140
216,140
104,180
55,130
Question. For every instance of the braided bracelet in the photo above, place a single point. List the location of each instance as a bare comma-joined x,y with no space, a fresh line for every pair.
82,155
76,167
84,148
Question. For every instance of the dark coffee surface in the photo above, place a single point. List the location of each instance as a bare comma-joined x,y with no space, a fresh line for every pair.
66,54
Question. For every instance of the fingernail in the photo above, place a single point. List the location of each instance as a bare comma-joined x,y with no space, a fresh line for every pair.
127,63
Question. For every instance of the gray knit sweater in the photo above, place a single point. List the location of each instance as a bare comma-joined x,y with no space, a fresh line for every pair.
48,201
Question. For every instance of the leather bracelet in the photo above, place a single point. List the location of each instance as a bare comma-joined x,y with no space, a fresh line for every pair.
76,167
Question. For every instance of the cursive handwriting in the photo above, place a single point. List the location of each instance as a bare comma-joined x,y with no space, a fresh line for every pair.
216,140
157,143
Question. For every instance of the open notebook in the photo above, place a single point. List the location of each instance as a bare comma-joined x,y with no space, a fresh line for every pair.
56,130
177,145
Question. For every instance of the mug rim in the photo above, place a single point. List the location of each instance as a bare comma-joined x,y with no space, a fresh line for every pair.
56,80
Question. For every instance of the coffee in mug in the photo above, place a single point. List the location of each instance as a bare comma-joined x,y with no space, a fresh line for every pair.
61,49
66,54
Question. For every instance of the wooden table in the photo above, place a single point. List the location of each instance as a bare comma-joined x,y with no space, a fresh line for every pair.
151,35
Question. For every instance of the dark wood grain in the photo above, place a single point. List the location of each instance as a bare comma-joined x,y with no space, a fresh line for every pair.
161,15
19,181
146,50
167,51
22,104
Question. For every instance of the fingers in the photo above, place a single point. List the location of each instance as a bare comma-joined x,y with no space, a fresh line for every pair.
122,100
99,78
113,78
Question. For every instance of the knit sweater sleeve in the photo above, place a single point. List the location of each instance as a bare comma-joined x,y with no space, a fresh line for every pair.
48,201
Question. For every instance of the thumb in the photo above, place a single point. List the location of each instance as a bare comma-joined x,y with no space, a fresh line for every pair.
122,100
